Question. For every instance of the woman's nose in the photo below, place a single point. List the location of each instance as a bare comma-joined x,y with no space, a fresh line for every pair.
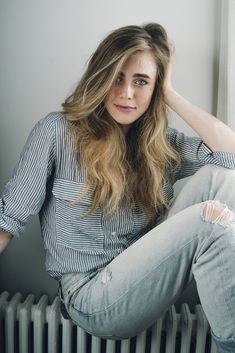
126,91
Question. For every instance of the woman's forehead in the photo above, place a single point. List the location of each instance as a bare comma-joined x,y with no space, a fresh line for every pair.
141,62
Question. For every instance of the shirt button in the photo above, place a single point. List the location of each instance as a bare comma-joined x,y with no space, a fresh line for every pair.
113,233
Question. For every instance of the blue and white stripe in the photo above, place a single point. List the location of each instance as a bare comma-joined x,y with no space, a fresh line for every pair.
47,180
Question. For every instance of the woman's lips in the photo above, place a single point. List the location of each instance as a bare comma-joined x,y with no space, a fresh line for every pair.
124,108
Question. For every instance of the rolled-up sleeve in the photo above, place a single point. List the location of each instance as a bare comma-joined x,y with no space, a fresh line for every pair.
25,193
195,153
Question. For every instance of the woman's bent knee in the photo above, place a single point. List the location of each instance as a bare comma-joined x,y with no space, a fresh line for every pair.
210,169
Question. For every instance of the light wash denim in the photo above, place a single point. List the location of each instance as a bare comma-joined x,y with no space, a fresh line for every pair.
196,239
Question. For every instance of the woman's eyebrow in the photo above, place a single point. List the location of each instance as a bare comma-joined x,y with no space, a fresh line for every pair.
136,75
141,75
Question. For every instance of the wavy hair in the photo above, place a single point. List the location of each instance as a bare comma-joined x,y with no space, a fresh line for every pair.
123,169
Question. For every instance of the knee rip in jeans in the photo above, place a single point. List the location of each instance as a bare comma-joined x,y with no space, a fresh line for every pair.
215,212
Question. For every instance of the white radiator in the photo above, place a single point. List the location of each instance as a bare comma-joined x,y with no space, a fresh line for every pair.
29,327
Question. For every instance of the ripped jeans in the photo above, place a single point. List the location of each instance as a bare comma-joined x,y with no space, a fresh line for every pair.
196,239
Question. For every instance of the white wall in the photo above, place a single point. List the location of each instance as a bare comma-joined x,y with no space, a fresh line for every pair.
226,81
44,48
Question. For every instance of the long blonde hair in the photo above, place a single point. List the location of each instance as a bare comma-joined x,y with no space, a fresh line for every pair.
130,169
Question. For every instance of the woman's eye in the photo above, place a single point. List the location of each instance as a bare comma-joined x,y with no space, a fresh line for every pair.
141,82
118,80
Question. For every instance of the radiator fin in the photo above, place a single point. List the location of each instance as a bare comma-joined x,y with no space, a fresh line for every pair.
27,326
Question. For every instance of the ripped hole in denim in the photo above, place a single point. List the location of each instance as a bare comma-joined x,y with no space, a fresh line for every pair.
215,212
106,275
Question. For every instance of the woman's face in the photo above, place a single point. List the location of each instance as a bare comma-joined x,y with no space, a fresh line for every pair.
130,96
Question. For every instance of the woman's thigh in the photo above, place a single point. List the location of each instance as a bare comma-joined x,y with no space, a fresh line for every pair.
142,282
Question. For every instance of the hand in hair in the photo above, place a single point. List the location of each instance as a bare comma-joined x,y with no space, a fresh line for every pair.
168,86
214,133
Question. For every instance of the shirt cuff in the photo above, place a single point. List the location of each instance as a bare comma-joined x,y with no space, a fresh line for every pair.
223,159
10,225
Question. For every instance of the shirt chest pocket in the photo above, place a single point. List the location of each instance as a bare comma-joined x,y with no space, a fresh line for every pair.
76,229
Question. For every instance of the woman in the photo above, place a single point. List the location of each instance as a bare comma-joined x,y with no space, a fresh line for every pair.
101,177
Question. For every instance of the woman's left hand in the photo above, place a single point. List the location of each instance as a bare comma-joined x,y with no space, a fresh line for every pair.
168,86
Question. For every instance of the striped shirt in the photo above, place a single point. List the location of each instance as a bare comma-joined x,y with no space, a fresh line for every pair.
49,177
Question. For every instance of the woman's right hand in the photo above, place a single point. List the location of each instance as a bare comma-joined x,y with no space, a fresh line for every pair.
4,240
168,86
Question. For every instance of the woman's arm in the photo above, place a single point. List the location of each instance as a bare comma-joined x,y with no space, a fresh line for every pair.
214,133
25,192
4,240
